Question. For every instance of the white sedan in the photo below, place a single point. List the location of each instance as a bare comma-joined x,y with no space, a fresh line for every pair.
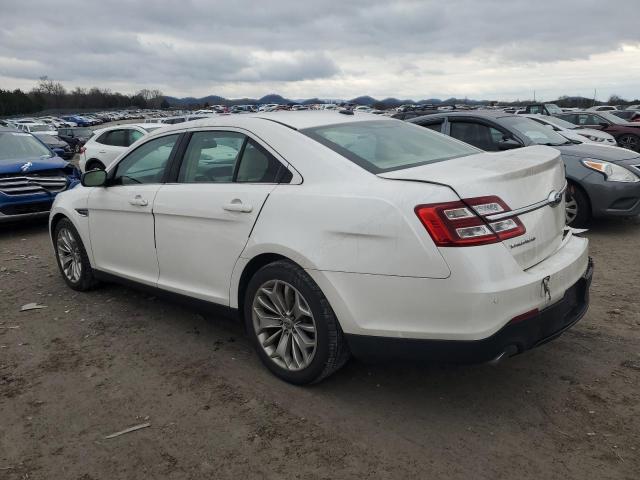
108,143
333,234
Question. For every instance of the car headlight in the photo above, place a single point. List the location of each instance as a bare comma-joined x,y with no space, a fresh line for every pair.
611,171
593,138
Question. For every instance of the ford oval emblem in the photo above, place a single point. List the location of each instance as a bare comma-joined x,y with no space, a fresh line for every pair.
554,198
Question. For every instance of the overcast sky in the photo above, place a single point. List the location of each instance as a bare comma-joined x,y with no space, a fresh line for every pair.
488,49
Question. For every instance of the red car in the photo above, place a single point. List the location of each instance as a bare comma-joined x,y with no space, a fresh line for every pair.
627,134
628,115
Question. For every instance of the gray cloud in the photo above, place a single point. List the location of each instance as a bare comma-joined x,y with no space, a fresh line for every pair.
198,46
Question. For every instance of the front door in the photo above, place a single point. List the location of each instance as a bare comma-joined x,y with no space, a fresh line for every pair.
121,222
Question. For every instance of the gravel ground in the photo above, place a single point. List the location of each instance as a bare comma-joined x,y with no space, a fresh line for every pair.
92,364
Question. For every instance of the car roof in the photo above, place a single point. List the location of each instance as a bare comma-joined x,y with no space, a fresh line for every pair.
296,120
495,114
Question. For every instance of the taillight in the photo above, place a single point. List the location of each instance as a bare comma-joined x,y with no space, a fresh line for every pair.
82,150
464,223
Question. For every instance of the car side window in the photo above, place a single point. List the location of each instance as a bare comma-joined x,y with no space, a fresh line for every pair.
477,134
211,157
436,127
257,165
116,138
147,163
134,136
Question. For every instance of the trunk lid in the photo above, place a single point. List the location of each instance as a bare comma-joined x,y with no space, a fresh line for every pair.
522,178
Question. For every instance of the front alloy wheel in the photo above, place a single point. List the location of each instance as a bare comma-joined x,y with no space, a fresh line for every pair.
69,255
284,325
630,141
72,257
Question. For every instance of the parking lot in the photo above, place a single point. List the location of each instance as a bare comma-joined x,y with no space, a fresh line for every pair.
89,365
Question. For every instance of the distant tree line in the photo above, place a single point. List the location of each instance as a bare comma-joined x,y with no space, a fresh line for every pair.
49,94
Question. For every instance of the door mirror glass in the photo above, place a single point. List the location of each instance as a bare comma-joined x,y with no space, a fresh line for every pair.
94,178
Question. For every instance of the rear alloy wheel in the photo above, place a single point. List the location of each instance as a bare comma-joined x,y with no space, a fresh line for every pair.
577,211
630,141
72,258
293,328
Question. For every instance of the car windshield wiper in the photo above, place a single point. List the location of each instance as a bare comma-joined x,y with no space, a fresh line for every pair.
549,144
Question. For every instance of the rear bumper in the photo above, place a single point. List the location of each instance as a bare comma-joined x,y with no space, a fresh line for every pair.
512,339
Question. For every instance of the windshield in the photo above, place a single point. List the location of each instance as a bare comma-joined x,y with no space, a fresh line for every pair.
538,134
552,108
612,118
15,146
382,145
48,139
40,128
82,132
558,122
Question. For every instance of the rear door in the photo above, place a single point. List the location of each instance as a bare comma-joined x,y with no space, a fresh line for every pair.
204,218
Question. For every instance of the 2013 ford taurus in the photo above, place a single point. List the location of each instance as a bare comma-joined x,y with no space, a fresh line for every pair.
333,235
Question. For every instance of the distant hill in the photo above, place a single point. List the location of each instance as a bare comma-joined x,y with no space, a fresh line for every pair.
390,102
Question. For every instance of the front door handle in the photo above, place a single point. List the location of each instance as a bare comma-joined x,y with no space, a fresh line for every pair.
236,205
138,201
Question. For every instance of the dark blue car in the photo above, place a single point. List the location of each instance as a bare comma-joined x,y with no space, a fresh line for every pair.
79,121
31,175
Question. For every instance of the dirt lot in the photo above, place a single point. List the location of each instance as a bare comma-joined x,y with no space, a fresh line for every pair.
93,364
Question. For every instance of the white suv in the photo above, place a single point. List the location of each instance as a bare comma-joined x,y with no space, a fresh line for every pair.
108,143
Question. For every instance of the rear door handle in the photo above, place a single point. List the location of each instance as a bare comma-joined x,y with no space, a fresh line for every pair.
138,201
236,205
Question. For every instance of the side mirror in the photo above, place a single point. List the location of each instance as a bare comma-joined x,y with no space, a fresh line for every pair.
508,144
603,124
94,178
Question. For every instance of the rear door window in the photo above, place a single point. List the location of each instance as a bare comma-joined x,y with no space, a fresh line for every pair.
211,157
477,134
134,136
116,138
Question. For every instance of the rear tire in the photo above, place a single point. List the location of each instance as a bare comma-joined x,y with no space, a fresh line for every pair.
94,164
292,326
72,258
577,208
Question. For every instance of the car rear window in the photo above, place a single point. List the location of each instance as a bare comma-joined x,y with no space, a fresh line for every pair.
384,145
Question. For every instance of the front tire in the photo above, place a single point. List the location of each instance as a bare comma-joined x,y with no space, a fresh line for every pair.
577,207
629,141
292,326
72,258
